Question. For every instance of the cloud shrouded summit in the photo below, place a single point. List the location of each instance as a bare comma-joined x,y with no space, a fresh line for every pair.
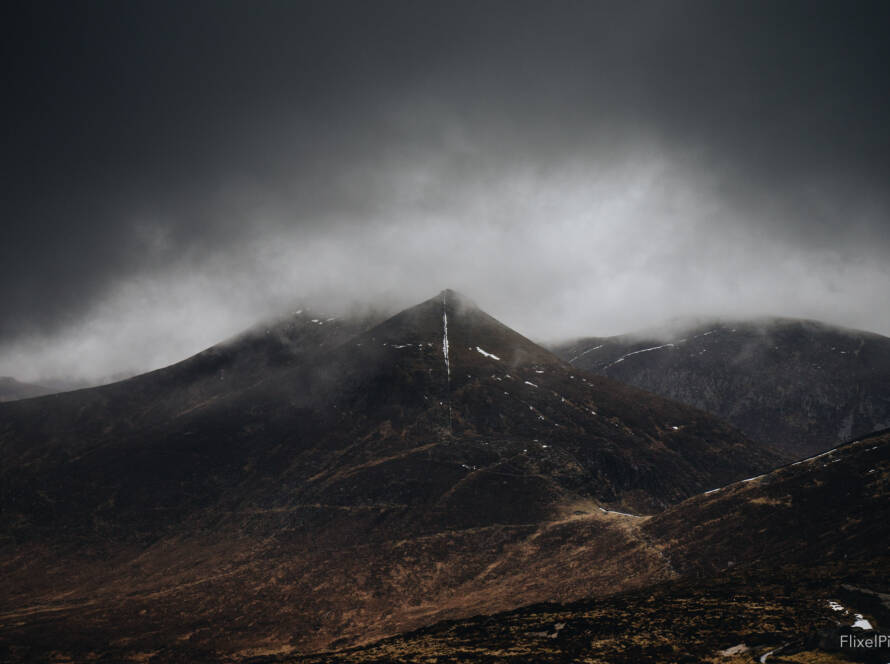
175,171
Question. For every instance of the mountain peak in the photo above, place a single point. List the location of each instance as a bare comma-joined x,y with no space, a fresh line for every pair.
329,452
455,300
471,334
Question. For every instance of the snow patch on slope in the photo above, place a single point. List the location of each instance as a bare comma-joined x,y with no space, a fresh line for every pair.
637,352
445,338
585,352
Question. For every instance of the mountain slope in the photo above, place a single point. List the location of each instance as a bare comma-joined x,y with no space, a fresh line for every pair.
778,566
802,386
741,617
435,465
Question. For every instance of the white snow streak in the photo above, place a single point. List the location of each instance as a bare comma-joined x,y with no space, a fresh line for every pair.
445,353
637,352
765,656
796,463
585,352
487,354
445,338
750,479
636,516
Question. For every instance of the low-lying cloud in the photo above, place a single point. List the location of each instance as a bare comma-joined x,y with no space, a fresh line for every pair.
578,248
576,169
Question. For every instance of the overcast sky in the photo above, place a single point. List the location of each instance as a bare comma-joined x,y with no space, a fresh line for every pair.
175,171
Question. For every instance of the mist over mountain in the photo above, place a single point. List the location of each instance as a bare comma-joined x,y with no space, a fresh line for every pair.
351,456
317,483
803,386
179,172
222,225
11,389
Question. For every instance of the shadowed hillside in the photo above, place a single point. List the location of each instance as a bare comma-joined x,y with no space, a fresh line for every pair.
330,483
802,386
775,569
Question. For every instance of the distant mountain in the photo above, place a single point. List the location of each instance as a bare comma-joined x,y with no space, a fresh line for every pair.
325,481
774,568
799,385
12,390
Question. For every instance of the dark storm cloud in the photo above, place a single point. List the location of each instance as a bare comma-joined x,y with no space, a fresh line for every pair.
172,170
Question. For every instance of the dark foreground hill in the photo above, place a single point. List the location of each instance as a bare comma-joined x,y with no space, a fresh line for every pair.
786,567
800,385
325,482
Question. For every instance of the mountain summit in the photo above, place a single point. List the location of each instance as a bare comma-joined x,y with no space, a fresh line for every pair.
297,485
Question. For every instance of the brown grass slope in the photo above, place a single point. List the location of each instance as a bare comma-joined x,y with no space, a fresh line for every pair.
757,562
333,488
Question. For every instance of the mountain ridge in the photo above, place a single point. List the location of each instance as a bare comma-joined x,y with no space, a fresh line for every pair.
800,385
357,487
